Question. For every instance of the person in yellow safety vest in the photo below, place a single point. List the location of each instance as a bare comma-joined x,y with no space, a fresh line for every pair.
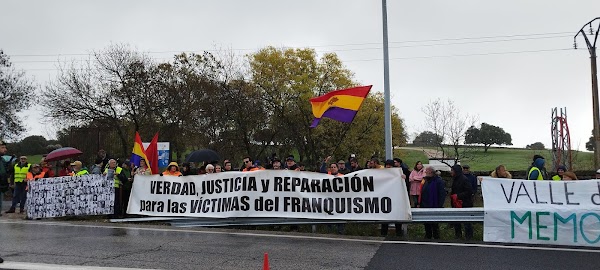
560,172
20,195
78,169
537,170
35,173
113,171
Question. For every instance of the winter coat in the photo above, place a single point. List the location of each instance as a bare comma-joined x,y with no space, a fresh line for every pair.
461,187
415,181
433,193
473,181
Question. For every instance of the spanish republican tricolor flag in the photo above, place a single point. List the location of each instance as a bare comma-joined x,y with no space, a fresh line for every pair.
138,153
341,105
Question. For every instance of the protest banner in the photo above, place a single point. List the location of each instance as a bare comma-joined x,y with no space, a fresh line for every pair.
542,212
363,195
70,196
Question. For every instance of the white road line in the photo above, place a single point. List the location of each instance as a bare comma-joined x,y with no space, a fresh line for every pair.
64,224
43,266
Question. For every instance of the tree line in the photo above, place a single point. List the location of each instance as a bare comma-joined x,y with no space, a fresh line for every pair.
254,105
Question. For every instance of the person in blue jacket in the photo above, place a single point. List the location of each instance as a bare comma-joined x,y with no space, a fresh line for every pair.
433,195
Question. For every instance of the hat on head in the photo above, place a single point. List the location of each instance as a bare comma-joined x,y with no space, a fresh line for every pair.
389,162
562,167
77,163
35,166
290,157
341,161
466,166
598,171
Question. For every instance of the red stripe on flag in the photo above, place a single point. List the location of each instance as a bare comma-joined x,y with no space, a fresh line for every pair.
361,91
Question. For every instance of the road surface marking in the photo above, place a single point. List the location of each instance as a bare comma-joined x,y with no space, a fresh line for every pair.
43,266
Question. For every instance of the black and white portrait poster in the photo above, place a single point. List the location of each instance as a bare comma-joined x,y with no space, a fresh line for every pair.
70,196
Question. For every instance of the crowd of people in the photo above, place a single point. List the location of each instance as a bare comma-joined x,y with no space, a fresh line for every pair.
425,186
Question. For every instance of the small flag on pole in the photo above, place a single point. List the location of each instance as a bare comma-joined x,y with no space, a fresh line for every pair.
340,105
138,154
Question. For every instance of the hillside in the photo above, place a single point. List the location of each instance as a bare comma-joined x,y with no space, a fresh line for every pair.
514,159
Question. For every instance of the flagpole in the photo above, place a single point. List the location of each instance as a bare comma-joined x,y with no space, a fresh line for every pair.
386,87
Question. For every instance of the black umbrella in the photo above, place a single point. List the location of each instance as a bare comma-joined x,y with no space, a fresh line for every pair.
204,155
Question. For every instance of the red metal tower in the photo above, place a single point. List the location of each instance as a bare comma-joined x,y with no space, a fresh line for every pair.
561,140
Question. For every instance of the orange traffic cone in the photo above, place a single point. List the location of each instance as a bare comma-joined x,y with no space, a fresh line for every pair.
266,262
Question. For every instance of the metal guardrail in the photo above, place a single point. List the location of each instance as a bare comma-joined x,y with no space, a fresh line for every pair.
419,215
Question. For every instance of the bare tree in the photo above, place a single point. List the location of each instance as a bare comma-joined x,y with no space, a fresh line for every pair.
108,90
446,121
16,95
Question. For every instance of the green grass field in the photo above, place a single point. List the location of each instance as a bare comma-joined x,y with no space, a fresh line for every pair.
513,159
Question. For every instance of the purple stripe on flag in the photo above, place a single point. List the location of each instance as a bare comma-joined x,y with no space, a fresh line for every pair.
315,122
135,159
338,114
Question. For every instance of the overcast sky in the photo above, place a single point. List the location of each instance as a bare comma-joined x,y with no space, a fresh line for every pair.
508,62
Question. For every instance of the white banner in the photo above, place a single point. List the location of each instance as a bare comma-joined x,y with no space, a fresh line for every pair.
70,196
378,194
542,212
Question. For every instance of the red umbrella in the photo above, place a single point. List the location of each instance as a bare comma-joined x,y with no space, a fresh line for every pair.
62,153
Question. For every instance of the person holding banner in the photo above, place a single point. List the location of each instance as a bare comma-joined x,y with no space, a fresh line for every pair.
501,172
142,169
35,173
537,171
433,195
115,172
569,176
248,165
78,169
172,170
461,197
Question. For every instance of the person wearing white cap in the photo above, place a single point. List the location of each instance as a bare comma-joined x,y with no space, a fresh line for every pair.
598,174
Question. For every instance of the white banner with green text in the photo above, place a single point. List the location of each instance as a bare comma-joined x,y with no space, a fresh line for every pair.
542,212
377,194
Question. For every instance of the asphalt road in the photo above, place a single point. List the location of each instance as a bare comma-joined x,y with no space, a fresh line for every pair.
87,244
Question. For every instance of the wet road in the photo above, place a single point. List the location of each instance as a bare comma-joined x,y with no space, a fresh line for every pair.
160,247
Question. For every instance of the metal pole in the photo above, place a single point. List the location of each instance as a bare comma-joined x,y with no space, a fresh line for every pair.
386,87
595,108
591,44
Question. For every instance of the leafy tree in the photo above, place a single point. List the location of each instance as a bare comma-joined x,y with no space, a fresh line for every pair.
16,95
287,78
487,135
536,146
33,145
589,145
427,138
238,106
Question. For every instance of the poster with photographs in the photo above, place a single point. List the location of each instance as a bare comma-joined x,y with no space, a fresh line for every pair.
70,196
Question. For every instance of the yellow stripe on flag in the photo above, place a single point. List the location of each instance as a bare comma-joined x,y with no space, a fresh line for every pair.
340,101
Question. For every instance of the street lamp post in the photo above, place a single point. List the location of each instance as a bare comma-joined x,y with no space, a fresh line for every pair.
386,87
